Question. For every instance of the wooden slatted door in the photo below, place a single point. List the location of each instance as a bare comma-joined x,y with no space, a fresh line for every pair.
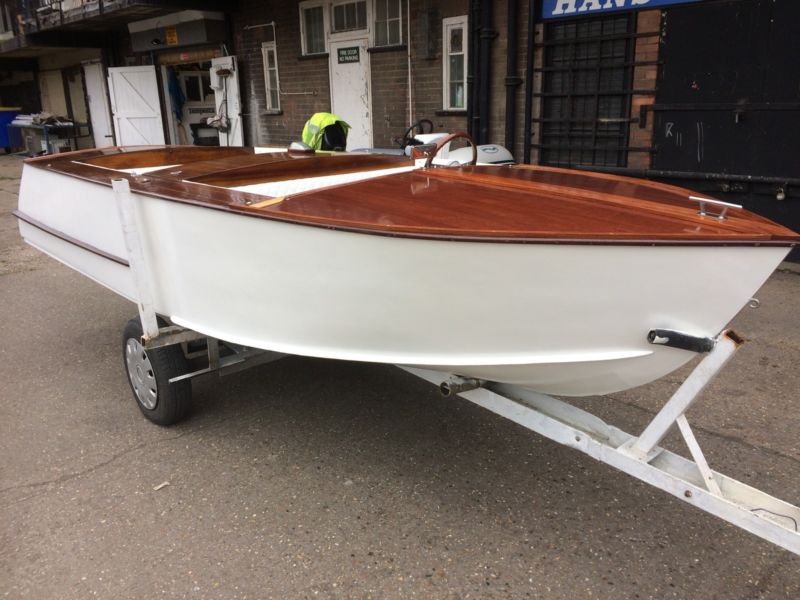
135,105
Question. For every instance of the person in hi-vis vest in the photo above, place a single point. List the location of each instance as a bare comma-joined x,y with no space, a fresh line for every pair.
325,131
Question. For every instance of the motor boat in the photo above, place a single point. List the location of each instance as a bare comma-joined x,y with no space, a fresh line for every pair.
546,278
497,283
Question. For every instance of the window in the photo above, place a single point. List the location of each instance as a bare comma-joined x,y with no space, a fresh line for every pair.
321,20
454,59
6,24
586,95
388,22
349,16
313,27
197,87
271,81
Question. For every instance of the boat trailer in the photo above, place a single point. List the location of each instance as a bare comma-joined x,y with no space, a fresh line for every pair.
640,456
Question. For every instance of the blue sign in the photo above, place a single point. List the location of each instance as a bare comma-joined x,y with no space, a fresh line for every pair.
559,9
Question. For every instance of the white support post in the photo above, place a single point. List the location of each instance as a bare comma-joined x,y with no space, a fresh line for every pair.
685,396
138,264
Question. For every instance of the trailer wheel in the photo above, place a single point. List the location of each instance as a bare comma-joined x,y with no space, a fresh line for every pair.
149,372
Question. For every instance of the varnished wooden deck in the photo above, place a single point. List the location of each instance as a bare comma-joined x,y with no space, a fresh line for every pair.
520,203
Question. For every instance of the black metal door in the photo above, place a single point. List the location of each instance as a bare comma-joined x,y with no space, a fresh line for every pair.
729,93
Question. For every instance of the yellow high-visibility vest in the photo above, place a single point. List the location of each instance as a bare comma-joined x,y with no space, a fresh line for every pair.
312,131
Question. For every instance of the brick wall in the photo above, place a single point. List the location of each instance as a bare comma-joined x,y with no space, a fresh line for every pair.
426,53
304,80
389,96
644,80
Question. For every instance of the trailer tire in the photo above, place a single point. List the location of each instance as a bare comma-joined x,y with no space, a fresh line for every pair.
149,372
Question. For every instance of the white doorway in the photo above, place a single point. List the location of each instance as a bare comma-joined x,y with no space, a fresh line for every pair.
99,109
351,98
189,101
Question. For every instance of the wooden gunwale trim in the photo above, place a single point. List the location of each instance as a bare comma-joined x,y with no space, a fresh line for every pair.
239,202
69,239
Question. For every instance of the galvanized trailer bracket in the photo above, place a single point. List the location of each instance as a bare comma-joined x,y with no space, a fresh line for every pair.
240,359
237,357
692,481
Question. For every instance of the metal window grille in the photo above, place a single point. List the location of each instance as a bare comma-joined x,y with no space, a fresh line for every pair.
586,93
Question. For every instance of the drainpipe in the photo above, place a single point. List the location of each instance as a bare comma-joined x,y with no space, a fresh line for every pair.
408,56
487,34
512,80
473,85
526,145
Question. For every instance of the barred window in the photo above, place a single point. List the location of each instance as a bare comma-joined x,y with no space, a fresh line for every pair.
586,94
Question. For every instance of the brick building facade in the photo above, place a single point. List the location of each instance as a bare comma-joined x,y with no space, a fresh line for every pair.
305,84
412,71
651,92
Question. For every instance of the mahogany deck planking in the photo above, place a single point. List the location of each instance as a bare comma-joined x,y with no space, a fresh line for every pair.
520,203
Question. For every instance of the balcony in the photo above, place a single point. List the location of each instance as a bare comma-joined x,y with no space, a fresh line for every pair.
97,15
29,28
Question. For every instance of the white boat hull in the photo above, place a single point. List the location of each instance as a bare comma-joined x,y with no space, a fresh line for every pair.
563,319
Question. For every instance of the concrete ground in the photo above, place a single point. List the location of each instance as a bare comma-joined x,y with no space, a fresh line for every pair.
320,479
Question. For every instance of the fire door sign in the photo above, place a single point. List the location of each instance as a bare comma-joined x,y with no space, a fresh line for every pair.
559,9
349,55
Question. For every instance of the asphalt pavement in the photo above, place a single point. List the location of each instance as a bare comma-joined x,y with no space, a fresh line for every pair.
321,479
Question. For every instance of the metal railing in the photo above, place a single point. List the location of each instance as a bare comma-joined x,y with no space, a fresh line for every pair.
29,16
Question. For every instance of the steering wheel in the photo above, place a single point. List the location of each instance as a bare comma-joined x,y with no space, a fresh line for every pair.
419,126
446,140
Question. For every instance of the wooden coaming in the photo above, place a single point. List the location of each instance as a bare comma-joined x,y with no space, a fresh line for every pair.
512,204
